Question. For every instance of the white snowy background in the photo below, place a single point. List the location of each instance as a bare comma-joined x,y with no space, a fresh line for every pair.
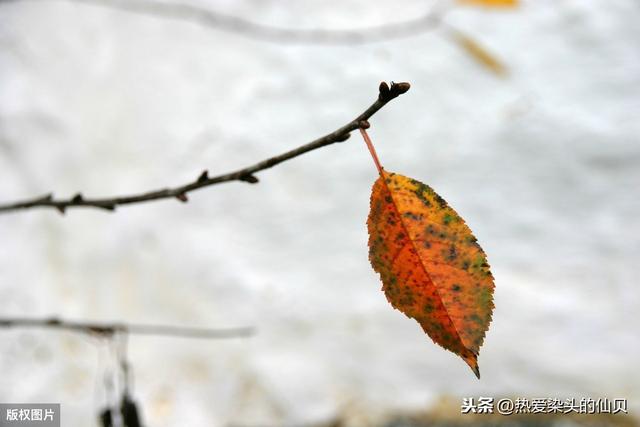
544,165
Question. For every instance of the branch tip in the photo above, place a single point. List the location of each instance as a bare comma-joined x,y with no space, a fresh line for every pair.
399,88
182,197
388,93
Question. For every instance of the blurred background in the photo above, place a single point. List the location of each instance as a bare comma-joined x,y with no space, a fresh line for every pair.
525,119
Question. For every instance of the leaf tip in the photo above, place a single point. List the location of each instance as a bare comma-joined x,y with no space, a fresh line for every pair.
476,370
472,361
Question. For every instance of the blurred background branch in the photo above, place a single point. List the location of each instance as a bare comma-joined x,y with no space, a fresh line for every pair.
109,329
246,28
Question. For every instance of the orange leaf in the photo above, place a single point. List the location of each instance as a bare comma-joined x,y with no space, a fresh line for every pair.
431,266
480,54
490,3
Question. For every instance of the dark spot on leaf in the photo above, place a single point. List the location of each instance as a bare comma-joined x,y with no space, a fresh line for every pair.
412,216
455,288
447,218
452,254
420,195
440,200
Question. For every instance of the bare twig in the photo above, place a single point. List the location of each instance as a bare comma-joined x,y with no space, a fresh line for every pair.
219,21
246,174
109,329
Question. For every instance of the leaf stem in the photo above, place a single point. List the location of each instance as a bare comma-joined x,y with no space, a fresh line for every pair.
372,150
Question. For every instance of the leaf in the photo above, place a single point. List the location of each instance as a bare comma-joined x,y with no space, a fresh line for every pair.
480,54
490,3
431,266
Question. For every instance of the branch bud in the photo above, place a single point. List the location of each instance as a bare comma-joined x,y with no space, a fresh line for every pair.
203,176
383,91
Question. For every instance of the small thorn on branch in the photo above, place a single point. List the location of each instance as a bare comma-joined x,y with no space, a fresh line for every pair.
182,197
77,198
61,209
106,206
251,179
203,176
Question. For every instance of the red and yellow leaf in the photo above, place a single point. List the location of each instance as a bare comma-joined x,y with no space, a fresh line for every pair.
480,54
432,268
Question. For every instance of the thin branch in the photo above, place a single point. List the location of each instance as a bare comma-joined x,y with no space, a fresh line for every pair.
232,24
108,329
246,174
